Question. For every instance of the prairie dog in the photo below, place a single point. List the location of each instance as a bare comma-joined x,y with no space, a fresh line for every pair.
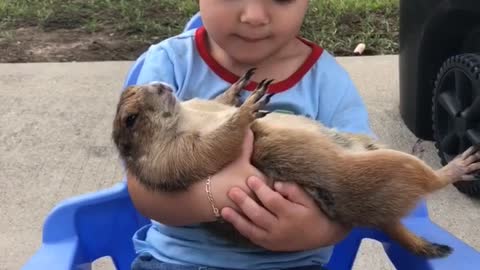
169,145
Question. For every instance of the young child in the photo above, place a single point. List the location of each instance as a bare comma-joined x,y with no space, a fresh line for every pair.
290,231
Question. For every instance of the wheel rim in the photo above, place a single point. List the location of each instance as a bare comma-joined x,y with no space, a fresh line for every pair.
458,112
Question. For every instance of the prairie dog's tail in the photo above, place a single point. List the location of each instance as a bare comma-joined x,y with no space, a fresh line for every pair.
415,244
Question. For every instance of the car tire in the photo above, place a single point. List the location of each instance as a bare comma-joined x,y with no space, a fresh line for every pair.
456,112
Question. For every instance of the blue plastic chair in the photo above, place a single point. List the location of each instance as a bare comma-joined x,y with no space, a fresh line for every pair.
83,229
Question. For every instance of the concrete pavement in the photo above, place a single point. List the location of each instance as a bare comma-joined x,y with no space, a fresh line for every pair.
55,122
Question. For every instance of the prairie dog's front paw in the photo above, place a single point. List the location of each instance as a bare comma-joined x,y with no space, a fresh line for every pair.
232,95
256,101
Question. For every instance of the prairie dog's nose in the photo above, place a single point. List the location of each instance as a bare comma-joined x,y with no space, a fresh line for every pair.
159,88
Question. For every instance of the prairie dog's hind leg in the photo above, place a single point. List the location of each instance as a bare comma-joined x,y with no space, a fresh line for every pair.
232,94
464,167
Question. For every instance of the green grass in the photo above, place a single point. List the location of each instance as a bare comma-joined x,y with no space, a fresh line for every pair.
338,25
144,18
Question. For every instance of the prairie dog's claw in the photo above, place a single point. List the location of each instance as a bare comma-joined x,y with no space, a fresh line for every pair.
262,88
245,79
257,99
262,113
231,96
269,96
249,73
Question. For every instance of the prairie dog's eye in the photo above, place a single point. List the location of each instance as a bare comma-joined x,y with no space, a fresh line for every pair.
130,121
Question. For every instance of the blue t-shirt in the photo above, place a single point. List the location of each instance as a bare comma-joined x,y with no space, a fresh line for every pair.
320,89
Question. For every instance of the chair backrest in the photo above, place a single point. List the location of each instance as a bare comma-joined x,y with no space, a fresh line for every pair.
194,22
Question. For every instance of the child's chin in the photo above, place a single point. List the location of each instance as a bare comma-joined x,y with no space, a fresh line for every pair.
252,58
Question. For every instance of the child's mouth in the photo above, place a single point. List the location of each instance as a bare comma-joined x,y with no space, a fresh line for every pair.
252,39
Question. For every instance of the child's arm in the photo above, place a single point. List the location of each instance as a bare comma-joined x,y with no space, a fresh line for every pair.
193,206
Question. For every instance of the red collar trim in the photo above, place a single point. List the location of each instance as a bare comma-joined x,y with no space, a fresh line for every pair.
200,41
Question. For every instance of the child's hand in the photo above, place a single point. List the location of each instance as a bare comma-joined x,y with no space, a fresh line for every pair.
235,175
291,222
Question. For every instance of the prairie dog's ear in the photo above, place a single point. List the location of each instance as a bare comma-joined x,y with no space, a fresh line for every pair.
158,88
167,85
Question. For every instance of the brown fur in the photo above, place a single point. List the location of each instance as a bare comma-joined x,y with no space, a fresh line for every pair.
170,145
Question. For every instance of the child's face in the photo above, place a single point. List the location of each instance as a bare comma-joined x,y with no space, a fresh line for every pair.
250,31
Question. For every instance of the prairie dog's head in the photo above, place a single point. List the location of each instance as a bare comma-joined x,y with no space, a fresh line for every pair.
144,112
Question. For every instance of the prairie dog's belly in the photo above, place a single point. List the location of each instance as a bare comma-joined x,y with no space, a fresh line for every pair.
290,121
204,116
280,121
